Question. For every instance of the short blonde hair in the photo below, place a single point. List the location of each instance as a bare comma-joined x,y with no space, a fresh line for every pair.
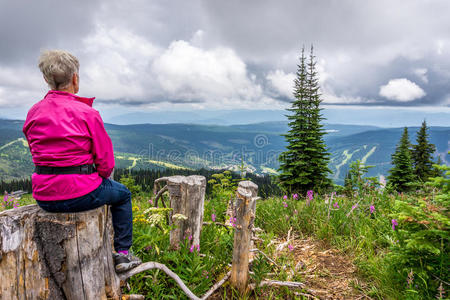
58,67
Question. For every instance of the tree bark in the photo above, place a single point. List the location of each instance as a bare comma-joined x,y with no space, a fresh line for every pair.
56,255
245,208
187,197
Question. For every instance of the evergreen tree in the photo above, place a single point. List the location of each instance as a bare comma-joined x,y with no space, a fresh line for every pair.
304,165
437,170
402,173
422,155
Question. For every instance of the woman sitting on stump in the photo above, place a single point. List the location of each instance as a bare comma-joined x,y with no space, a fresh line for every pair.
73,154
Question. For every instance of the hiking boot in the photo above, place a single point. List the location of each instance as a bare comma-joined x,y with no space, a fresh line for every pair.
124,262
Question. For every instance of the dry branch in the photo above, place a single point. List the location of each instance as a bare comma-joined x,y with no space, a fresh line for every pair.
216,286
265,255
159,195
290,284
154,265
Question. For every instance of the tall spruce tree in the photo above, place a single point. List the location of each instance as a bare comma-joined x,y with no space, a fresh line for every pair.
422,155
402,173
304,165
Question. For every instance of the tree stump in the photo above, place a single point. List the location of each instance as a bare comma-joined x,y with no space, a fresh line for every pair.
56,255
187,197
245,209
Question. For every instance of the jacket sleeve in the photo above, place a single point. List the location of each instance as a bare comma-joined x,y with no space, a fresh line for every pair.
102,148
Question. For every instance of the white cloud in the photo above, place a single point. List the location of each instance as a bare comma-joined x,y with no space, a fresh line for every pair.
401,89
188,73
282,83
116,65
20,86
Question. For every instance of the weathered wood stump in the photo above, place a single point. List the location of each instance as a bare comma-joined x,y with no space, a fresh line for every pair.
187,197
56,256
245,209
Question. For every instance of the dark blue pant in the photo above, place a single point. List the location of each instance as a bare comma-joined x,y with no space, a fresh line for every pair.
111,193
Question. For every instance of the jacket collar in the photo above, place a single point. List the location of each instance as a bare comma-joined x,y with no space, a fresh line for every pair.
84,100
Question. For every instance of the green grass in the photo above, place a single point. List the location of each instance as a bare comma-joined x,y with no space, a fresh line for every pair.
400,263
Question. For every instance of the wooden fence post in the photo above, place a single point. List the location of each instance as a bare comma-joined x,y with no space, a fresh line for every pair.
245,209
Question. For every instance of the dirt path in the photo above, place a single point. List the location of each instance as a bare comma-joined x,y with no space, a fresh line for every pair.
327,272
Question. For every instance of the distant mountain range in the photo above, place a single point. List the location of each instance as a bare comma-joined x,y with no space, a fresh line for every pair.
374,116
212,146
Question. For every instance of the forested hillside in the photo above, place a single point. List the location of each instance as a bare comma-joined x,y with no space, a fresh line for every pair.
156,146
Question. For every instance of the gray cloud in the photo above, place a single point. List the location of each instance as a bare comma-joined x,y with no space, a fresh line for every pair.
251,49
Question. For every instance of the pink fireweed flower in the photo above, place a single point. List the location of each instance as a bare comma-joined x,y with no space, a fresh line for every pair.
310,196
213,217
336,205
295,196
394,223
232,221
290,247
285,197
191,249
190,237
372,209
285,204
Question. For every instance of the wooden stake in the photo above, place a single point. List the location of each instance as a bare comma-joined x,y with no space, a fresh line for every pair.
245,209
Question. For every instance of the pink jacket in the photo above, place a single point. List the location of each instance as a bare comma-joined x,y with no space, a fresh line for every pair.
64,130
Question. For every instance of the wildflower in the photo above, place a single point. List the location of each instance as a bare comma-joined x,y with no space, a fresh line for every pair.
335,205
295,196
232,221
354,206
372,209
205,273
382,182
295,211
394,223
310,195
290,247
150,201
285,204
179,217
285,197
410,278
213,217
198,248
191,249
190,237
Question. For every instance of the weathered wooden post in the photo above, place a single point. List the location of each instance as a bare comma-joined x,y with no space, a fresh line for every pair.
245,209
56,256
187,197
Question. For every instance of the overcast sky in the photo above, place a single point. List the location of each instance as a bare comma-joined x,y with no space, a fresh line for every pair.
211,54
